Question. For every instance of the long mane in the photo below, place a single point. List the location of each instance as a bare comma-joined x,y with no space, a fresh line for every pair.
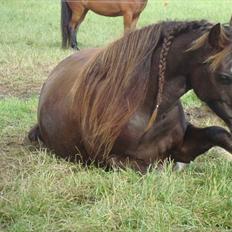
113,84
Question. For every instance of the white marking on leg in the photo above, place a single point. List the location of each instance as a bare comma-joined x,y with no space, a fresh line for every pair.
180,166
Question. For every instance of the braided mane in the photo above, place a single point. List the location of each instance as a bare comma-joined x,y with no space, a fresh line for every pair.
113,84
169,35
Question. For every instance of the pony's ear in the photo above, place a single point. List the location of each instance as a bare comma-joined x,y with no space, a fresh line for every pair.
231,21
215,36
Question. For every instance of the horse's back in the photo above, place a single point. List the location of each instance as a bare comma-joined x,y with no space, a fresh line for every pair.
56,123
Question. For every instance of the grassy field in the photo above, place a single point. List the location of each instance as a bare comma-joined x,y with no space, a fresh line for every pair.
39,192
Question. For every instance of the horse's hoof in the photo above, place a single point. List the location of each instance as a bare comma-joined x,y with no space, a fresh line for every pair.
74,47
179,166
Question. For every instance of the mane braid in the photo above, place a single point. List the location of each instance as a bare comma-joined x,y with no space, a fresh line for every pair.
168,39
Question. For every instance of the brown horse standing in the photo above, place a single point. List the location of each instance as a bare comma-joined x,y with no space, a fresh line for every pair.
73,13
97,104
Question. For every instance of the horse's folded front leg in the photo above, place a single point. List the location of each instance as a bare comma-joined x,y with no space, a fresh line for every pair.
199,140
220,137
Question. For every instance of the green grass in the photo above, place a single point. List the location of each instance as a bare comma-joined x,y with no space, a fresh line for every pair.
39,192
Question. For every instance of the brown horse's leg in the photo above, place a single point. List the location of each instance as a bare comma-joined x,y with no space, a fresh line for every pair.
123,162
127,20
199,140
134,21
77,18
34,134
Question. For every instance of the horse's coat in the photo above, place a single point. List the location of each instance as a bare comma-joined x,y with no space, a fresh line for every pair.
96,104
73,13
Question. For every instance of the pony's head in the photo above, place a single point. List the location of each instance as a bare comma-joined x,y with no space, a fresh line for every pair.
212,78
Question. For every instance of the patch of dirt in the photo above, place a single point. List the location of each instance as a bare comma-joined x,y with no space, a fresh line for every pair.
23,81
203,116
2,91
23,91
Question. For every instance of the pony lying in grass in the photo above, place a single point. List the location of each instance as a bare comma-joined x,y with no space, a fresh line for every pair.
120,105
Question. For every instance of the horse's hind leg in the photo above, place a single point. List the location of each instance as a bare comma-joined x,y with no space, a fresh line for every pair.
134,21
199,140
34,134
77,18
127,20
115,161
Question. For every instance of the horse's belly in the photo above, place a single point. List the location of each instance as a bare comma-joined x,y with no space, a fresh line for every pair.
105,8
112,9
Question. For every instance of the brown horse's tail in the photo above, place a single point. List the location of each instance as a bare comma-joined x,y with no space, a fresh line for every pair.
66,14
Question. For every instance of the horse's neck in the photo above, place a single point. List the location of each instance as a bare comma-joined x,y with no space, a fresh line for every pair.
180,64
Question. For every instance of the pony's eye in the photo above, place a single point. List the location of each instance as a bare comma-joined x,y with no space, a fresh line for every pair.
225,79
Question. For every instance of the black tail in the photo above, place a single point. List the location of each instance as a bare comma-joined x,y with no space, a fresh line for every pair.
66,15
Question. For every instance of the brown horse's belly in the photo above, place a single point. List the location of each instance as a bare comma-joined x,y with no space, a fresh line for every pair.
104,9
58,127
117,9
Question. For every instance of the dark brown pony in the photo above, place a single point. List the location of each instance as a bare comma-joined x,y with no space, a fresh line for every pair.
120,105
73,13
